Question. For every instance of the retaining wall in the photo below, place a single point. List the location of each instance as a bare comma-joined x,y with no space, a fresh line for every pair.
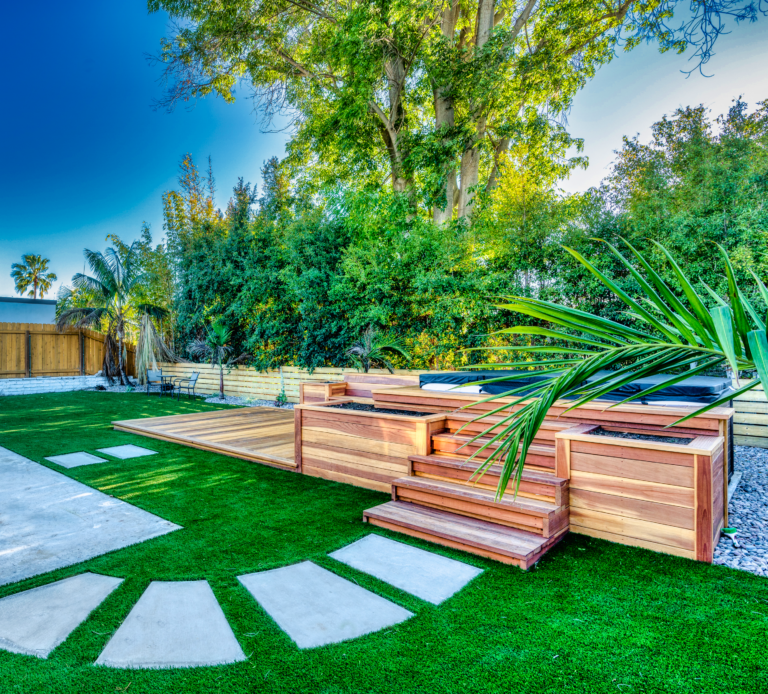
28,386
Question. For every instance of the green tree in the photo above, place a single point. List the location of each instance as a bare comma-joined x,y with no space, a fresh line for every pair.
426,95
374,350
217,347
113,295
32,274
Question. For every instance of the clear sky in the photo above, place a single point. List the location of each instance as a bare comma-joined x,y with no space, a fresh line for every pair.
84,154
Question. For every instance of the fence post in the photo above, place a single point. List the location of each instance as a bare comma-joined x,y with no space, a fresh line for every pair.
28,354
82,354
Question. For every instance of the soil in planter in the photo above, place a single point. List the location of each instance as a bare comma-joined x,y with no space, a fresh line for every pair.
362,407
681,441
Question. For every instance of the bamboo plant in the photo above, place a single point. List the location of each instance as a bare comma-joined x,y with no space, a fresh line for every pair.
673,331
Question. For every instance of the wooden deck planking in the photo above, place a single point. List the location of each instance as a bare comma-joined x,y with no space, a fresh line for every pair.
257,434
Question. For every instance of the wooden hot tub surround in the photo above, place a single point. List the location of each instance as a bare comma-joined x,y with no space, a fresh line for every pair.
665,496
366,449
668,497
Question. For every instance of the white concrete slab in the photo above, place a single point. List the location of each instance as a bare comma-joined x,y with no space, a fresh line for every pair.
35,621
70,460
431,577
127,451
174,624
316,607
48,521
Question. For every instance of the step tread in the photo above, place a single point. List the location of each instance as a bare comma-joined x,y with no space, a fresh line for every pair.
485,497
504,540
461,438
461,463
495,419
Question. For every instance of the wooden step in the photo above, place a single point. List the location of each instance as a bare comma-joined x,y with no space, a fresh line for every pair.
534,484
540,456
490,540
540,517
456,420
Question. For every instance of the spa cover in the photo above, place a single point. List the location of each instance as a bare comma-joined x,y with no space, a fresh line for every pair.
697,389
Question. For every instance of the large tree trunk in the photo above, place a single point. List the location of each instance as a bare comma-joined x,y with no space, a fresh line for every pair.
120,363
444,116
470,159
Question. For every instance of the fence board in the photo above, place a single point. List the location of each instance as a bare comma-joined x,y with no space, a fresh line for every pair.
51,353
247,382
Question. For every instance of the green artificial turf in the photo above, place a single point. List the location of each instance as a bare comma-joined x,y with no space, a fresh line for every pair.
592,617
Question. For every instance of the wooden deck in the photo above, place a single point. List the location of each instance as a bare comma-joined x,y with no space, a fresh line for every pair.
258,434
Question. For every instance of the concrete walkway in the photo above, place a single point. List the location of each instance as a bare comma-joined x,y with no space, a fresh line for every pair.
429,576
174,624
48,521
35,621
316,607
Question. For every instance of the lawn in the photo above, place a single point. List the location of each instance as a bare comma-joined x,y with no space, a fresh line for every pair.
592,617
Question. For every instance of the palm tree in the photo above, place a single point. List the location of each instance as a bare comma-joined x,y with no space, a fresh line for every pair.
32,272
216,347
676,332
372,349
112,297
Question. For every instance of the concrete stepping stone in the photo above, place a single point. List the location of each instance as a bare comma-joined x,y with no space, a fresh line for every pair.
35,621
429,576
70,460
127,451
174,624
49,520
316,607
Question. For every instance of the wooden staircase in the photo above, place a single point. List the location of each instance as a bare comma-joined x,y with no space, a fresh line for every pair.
443,500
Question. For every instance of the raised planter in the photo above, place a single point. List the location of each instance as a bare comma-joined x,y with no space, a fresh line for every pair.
662,495
363,448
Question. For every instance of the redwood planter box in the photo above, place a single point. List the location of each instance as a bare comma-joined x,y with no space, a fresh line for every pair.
365,449
665,496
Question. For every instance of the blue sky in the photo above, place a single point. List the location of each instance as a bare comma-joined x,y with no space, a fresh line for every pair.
84,154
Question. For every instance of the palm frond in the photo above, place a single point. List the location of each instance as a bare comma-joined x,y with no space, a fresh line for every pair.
684,338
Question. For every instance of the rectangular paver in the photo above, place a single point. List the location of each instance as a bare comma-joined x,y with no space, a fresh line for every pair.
48,521
127,451
174,624
316,607
69,460
429,576
35,621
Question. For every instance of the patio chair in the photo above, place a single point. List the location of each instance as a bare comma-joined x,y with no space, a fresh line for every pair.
155,382
188,384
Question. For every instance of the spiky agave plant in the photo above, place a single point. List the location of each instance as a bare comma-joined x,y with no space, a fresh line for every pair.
676,333
373,350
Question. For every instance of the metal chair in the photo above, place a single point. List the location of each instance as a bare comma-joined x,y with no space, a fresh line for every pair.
187,384
155,381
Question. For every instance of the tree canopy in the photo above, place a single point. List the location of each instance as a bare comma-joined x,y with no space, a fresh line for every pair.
31,275
426,96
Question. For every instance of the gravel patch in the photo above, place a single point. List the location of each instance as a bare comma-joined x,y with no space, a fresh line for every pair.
213,399
246,402
748,513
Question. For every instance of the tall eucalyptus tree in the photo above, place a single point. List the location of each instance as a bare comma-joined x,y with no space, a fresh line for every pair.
426,95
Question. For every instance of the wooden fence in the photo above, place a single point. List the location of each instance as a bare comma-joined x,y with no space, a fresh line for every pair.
247,382
31,350
750,423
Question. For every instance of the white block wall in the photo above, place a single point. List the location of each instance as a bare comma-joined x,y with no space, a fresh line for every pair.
27,386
